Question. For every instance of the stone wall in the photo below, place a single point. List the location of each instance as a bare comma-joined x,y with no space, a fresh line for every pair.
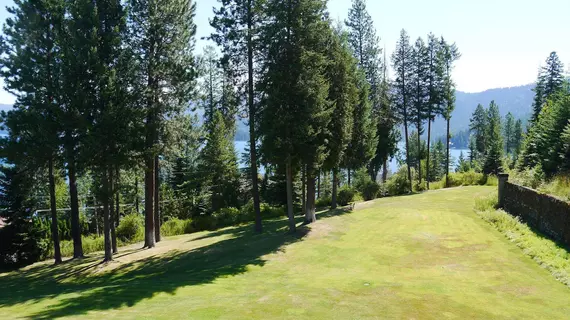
549,215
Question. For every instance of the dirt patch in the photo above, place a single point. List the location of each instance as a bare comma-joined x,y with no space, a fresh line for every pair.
320,229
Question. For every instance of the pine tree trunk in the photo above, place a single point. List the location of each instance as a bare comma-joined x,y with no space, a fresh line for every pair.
348,176
258,227
137,193
303,189
117,194
407,152
289,178
428,151
319,185
112,213
447,156
96,217
310,216
334,189
106,217
75,227
385,171
156,200
419,155
53,209
149,241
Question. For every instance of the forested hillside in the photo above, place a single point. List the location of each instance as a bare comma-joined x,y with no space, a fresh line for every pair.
516,100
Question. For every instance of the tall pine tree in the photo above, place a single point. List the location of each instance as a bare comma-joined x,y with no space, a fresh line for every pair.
296,111
494,152
402,60
31,50
237,24
161,35
420,93
448,55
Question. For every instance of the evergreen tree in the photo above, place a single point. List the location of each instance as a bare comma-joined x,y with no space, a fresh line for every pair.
472,150
161,35
402,60
237,24
31,50
448,55
386,132
362,146
434,103
296,111
24,239
517,139
538,100
343,94
364,43
462,165
509,133
494,153
543,143
218,164
550,80
478,127
420,92
437,159
565,153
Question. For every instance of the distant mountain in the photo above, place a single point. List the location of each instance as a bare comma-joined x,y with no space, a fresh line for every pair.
517,100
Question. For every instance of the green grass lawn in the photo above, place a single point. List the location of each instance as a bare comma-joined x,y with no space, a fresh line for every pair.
426,256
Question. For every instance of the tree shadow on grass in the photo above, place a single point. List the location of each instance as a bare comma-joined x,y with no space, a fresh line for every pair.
132,282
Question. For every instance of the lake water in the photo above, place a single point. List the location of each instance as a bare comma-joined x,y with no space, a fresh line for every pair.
240,147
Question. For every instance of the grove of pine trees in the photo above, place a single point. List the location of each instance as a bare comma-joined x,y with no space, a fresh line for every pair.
115,107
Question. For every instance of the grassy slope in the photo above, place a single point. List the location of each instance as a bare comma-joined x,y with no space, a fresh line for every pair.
424,256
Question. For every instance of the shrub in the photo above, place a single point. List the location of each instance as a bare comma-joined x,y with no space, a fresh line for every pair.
131,228
469,178
227,216
323,202
204,222
399,184
532,178
176,226
487,203
558,186
370,190
345,196
273,212
247,214
90,244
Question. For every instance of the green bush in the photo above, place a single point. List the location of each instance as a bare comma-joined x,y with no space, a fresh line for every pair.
176,226
532,178
487,203
469,178
247,214
273,212
323,202
227,217
131,228
204,222
370,190
90,244
399,184
345,196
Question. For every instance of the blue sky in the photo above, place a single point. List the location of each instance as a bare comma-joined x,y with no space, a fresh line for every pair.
503,42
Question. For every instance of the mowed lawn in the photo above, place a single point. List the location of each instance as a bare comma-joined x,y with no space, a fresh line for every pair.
424,256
